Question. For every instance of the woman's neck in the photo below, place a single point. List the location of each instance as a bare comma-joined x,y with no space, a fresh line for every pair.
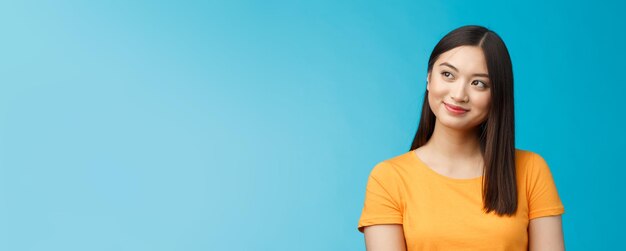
454,144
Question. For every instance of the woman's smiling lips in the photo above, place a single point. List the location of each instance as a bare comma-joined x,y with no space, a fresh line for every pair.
455,109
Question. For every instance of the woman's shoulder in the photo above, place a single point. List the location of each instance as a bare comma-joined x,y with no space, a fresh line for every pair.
394,164
400,160
523,156
530,162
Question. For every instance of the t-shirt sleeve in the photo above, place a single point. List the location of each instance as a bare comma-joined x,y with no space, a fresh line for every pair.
543,198
382,198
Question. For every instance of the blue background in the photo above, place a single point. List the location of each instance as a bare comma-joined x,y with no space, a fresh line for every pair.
253,125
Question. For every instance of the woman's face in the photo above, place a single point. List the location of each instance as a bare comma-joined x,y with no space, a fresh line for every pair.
458,88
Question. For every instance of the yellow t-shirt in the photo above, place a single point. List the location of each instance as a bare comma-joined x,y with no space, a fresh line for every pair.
442,213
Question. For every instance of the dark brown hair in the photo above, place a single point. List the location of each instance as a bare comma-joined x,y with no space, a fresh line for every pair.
497,132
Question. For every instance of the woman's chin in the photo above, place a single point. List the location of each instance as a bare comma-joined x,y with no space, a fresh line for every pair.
457,125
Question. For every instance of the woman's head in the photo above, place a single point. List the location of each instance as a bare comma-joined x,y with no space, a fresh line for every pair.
458,88
493,106
455,78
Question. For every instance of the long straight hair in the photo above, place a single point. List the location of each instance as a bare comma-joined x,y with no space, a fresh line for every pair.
497,132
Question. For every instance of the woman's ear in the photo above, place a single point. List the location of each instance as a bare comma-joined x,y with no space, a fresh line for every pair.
428,81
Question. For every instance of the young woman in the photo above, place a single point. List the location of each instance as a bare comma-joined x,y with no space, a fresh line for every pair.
463,185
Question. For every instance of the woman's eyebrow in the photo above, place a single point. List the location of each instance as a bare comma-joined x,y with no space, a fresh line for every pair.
454,68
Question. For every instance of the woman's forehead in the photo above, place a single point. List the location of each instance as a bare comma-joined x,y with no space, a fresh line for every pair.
469,59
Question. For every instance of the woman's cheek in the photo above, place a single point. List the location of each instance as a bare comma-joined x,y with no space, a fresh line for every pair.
485,101
436,89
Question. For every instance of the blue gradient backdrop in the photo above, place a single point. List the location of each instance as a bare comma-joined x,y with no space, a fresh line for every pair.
253,125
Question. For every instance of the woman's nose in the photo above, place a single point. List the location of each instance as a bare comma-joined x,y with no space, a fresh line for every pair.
458,93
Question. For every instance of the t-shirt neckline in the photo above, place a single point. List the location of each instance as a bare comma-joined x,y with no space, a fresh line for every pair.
441,176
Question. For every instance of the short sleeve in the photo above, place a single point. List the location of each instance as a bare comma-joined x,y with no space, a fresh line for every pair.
543,198
382,198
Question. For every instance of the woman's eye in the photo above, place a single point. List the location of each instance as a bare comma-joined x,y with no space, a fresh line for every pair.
481,84
446,74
